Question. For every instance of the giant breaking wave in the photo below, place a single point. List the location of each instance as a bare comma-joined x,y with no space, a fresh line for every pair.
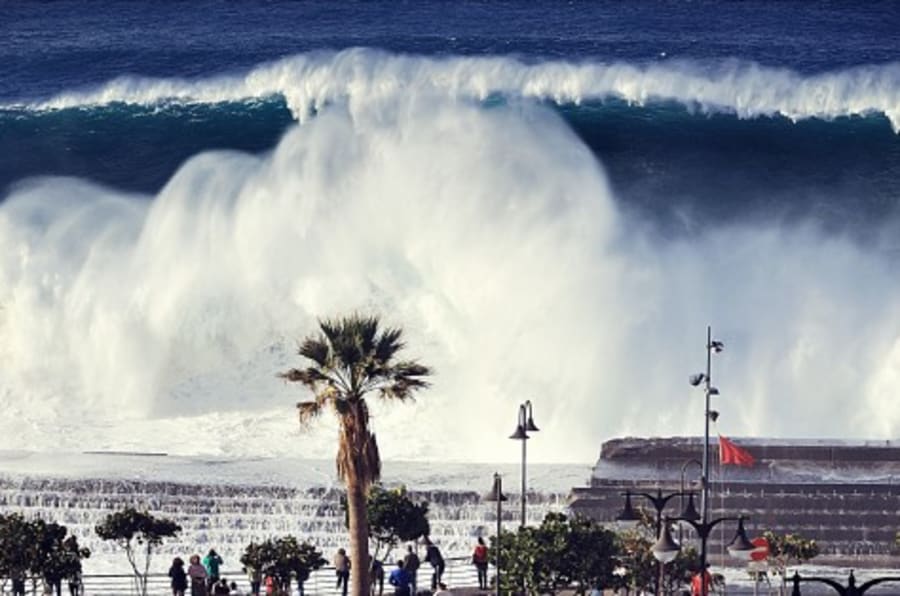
489,232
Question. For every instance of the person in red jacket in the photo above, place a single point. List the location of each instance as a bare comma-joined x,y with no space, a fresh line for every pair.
480,560
697,583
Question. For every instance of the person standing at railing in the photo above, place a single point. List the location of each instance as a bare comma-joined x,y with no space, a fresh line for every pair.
197,574
18,582
401,580
411,564
212,561
178,576
76,586
255,578
377,569
480,560
342,570
436,560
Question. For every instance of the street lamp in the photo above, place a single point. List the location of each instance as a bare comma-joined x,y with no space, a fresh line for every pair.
496,495
740,546
706,379
851,589
524,426
684,467
659,502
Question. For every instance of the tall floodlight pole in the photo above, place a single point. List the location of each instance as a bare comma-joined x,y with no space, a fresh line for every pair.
695,380
524,425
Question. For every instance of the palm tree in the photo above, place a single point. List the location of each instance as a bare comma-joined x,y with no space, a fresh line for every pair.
350,359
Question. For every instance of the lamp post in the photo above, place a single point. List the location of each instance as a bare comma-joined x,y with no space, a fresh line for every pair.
683,470
496,495
851,589
740,546
695,380
659,501
524,426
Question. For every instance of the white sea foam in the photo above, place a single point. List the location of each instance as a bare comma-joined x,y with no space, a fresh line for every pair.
490,235
310,81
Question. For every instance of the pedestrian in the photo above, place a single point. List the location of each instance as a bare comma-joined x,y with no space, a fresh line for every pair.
342,570
442,590
235,591
255,579
76,585
377,577
220,588
434,558
302,576
197,574
411,564
178,576
400,579
697,583
212,561
480,560
18,582
270,585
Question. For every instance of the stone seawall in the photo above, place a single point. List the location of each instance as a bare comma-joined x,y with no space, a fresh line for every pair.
844,495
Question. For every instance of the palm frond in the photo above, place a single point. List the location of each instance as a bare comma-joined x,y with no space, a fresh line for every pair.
388,344
410,369
317,350
307,411
367,330
311,377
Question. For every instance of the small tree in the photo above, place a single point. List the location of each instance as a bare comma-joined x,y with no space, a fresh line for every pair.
559,554
393,518
55,557
17,546
285,559
789,549
137,531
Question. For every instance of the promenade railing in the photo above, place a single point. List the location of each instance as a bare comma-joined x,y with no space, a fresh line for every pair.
459,573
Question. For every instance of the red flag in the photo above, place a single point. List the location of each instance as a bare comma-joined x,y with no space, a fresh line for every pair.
729,453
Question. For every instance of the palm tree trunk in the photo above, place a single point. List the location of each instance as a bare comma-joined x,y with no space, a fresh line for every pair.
354,432
359,539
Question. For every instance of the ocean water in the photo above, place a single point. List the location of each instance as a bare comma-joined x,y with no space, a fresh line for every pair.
554,199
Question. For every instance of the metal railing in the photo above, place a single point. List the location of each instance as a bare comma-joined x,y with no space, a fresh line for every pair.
459,573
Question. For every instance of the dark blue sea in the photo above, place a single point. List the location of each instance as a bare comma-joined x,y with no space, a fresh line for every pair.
555,198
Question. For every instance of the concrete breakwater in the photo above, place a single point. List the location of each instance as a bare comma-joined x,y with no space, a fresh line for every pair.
844,494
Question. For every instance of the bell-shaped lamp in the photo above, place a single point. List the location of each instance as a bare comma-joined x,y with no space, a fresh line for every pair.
496,493
520,433
525,409
665,548
629,517
741,547
690,511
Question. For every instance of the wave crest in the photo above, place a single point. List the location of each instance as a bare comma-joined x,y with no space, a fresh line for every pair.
310,81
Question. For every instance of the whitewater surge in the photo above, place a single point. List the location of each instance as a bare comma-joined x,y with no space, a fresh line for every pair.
309,82
489,233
